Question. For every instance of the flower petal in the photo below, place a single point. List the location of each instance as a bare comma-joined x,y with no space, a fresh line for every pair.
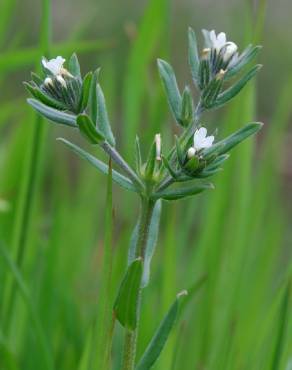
208,141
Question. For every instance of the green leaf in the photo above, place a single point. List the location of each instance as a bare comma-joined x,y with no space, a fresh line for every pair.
179,152
117,177
194,60
182,192
85,91
36,79
246,57
173,95
53,114
74,66
88,130
151,161
92,100
126,304
138,158
43,97
151,242
159,339
232,140
169,167
187,109
102,121
230,93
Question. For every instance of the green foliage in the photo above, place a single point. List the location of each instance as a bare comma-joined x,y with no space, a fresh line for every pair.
160,337
235,237
126,304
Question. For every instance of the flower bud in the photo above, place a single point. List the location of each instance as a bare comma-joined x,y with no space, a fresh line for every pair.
158,146
61,80
220,75
231,48
48,82
191,152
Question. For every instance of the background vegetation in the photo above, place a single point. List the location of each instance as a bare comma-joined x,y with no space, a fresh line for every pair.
234,241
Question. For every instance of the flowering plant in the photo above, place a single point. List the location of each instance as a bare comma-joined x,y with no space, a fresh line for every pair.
63,96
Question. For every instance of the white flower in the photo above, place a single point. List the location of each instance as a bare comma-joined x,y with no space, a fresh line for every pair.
54,65
218,42
231,49
201,141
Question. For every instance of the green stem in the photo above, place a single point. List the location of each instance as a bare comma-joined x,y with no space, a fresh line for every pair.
147,206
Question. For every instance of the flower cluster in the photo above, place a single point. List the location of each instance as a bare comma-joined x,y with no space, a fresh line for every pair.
63,96
60,88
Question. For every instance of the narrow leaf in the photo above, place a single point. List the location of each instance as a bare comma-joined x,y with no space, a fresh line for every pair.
237,87
231,141
102,121
117,177
126,304
172,91
182,192
246,57
85,92
92,100
43,97
53,114
194,60
159,339
74,66
88,130
187,109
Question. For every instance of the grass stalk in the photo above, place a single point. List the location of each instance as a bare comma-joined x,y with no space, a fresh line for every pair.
30,177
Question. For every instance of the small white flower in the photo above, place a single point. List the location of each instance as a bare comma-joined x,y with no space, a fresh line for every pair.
231,49
201,141
55,65
219,41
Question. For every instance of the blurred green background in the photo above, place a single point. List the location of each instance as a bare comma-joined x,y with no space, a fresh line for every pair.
236,239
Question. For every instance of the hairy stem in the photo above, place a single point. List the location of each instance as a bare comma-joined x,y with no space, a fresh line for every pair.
146,212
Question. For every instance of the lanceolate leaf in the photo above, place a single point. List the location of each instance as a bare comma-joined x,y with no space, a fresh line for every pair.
102,121
43,97
182,192
117,177
247,56
92,100
169,81
231,141
151,242
53,114
85,91
159,339
126,304
194,60
88,130
230,93
73,66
